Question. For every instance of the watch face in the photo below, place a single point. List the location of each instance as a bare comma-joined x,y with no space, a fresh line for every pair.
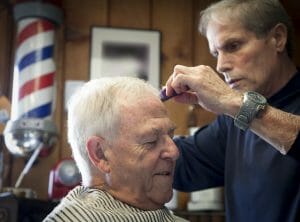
256,97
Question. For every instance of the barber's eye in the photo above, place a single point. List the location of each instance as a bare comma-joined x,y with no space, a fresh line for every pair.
215,54
233,47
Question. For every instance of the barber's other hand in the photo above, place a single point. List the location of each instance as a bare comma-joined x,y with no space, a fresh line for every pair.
202,85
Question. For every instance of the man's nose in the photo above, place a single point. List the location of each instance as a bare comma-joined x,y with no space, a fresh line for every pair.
223,63
170,149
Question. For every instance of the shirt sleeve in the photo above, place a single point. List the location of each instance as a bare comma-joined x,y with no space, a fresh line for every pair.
295,149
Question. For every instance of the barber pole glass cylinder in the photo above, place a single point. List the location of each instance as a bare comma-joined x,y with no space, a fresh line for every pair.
33,95
33,102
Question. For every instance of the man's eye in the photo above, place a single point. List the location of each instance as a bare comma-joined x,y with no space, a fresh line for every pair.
215,54
151,143
233,47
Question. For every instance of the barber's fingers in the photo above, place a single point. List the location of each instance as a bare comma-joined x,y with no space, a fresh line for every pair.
180,83
187,97
192,78
173,81
168,86
180,70
185,79
170,90
182,78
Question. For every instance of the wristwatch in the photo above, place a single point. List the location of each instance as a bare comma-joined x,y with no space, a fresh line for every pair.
253,105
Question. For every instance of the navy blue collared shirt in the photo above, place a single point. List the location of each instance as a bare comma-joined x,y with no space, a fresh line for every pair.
260,183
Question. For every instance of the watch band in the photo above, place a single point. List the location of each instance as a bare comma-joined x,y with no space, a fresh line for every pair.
253,104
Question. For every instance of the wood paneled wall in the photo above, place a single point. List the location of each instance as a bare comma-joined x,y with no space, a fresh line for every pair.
177,20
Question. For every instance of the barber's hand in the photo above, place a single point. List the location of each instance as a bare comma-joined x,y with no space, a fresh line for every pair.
202,85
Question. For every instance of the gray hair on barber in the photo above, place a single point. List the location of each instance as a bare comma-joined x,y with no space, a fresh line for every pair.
257,16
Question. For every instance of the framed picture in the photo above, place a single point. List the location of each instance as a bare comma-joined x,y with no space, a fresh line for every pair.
125,52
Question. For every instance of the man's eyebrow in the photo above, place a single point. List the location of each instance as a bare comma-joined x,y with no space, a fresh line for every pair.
224,44
158,131
230,40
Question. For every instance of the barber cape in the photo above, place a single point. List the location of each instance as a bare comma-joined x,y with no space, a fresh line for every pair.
94,205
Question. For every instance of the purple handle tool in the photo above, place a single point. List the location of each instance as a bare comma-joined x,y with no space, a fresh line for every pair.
164,97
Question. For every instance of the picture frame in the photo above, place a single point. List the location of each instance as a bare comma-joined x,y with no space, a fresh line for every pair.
125,52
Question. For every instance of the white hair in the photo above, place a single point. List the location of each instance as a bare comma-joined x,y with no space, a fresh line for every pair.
94,110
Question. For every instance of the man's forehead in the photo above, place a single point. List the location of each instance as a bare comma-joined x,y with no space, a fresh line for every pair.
217,34
142,109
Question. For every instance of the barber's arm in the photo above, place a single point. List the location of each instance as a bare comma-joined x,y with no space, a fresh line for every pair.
202,85
280,129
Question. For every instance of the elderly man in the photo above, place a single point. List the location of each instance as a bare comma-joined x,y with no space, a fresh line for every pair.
253,147
121,139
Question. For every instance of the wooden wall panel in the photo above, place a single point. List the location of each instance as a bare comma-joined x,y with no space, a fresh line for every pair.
201,50
202,56
80,15
176,27
6,57
129,14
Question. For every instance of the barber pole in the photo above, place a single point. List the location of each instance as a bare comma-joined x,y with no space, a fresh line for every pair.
34,70
30,128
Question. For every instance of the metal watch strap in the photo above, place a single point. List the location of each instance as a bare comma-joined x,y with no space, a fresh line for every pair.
253,103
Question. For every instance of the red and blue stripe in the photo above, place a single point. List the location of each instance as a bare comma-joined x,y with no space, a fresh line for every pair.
34,69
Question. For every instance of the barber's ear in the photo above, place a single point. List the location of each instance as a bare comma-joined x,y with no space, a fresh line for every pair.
279,35
95,150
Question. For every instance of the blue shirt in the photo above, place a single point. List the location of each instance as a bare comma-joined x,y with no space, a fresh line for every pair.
260,183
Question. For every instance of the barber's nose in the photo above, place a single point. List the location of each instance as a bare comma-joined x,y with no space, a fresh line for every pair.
170,149
223,64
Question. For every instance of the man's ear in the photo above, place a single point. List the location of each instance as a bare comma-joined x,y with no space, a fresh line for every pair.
279,35
95,149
